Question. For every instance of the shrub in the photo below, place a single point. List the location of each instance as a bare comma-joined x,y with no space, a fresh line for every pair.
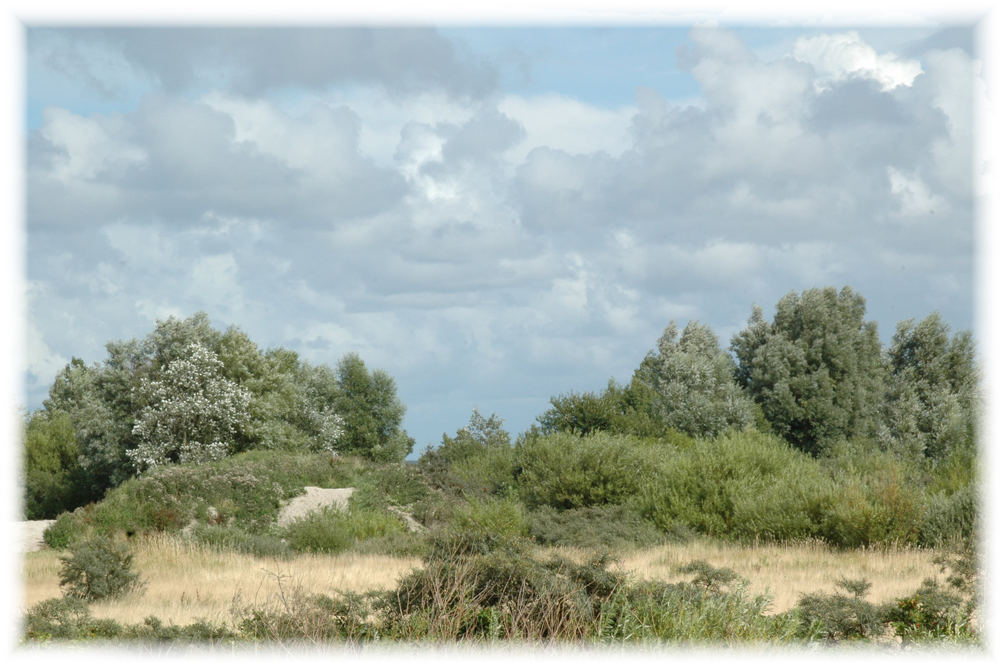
58,618
97,569
567,471
610,527
482,527
334,530
930,613
838,616
61,533
742,485
950,518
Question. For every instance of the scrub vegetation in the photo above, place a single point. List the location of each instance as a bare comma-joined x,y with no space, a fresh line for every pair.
803,485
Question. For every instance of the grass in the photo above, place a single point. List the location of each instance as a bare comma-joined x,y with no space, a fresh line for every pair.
187,581
785,572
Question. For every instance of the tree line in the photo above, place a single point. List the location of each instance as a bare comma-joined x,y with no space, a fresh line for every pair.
189,393
816,375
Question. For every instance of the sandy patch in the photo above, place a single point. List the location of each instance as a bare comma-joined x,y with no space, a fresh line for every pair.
314,499
31,534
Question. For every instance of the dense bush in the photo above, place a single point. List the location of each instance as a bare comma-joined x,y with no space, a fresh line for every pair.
742,485
97,569
246,490
66,619
840,616
611,527
335,530
563,470
930,613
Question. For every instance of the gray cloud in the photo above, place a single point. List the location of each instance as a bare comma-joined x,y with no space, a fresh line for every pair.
476,260
253,60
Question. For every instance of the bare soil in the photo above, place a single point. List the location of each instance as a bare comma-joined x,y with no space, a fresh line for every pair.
314,499
31,534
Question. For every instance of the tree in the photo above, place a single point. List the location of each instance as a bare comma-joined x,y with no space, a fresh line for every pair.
192,413
816,370
54,480
691,383
371,412
933,400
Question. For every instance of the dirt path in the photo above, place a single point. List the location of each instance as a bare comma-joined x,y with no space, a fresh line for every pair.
314,499
31,534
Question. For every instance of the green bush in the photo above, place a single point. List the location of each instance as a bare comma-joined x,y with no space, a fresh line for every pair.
742,485
334,530
97,569
61,533
246,490
950,518
930,613
483,526
563,470
840,616
597,527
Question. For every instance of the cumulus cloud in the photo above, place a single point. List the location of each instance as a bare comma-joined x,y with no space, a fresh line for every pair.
511,245
845,55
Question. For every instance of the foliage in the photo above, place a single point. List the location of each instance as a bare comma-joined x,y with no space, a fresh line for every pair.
53,478
567,471
880,497
612,527
371,412
335,530
478,460
619,409
929,613
96,569
742,485
192,413
187,392
691,381
245,490
840,616
816,370
66,619
933,401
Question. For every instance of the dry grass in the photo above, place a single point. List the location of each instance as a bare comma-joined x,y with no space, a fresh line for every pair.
785,572
186,582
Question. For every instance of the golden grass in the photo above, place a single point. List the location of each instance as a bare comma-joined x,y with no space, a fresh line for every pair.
785,572
186,582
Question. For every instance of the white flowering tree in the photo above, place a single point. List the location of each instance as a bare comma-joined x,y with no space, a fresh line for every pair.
192,413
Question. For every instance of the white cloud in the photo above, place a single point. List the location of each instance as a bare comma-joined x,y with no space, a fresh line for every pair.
839,56
43,362
912,195
566,124
86,148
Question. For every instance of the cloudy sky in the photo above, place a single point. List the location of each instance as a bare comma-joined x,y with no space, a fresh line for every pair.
493,215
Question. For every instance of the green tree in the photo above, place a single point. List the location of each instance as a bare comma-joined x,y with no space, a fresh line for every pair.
371,412
933,397
54,480
619,409
691,382
816,371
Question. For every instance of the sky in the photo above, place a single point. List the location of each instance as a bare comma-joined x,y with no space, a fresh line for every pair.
493,215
